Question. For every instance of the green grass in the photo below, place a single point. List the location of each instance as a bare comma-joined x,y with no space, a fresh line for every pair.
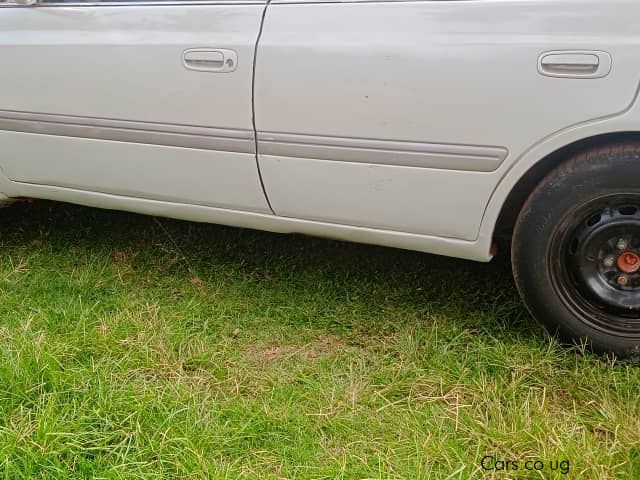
132,347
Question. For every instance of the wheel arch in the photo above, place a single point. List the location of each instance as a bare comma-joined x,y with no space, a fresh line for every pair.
520,191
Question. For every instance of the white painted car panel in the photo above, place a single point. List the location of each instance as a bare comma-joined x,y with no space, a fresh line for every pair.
105,66
404,124
414,200
125,63
463,73
201,177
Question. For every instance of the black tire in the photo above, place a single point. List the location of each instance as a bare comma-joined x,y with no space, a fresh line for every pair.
566,238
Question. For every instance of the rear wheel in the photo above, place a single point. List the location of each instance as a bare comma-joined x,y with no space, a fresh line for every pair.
576,250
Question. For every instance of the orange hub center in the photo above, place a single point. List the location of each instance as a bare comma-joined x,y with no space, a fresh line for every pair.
629,262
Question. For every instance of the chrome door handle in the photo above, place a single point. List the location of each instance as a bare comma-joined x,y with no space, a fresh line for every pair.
219,60
575,64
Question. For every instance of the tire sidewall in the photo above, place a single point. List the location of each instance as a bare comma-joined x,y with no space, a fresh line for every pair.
594,174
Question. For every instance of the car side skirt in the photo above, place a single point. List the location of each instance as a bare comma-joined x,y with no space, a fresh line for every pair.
272,223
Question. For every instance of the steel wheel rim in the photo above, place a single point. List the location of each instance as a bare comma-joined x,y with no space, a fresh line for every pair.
595,278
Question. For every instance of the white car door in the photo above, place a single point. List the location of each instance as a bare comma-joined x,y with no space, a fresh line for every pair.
405,115
136,98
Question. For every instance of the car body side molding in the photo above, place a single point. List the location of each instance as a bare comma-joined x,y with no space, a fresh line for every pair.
204,138
358,150
383,152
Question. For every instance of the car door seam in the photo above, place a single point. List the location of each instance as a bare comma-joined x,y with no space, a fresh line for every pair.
253,105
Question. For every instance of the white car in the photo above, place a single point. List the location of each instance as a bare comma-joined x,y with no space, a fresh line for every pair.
426,125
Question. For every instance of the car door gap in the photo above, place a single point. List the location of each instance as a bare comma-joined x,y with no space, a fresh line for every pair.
253,104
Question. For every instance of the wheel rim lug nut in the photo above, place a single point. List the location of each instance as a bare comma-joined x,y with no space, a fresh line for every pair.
623,280
609,261
622,244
